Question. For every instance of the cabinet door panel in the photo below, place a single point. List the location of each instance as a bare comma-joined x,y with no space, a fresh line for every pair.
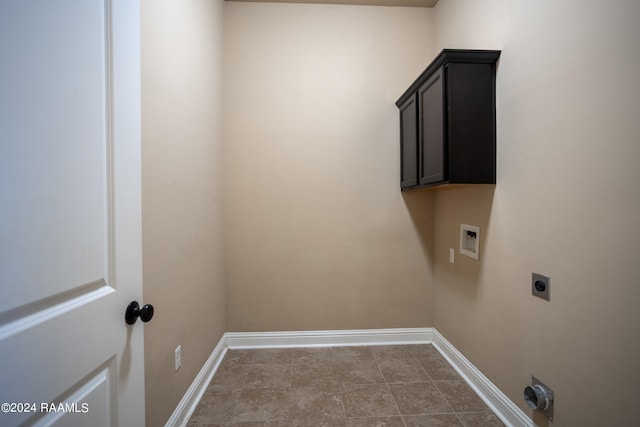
409,143
431,107
471,123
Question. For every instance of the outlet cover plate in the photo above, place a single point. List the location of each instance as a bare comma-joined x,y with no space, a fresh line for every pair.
178,358
549,412
540,285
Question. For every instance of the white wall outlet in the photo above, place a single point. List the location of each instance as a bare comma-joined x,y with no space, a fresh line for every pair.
178,357
452,255
470,240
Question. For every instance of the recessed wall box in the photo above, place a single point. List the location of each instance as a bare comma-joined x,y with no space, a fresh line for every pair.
470,240
540,286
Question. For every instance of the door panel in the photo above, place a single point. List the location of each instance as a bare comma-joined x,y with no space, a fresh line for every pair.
431,106
409,143
58,114
70,251
89,403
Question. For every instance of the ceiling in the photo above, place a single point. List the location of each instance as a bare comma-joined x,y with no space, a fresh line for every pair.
411,3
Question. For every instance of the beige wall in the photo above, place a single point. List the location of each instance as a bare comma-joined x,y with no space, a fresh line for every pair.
182,194
318,235
566,205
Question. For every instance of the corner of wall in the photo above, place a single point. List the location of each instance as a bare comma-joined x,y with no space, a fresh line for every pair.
182,232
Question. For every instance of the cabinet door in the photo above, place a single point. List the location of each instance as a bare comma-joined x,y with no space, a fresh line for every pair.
431,106
409,143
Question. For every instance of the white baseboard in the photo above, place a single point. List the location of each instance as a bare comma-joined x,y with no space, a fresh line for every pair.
189,401
504,408
508,412
328,338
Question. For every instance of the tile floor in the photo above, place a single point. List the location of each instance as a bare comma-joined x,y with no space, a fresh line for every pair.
399,385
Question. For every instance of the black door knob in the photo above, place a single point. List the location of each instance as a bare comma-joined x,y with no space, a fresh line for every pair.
134,311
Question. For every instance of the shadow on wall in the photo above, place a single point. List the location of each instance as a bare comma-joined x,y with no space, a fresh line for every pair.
540,420
420,205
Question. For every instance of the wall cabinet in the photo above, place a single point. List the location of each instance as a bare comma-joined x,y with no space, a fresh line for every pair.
448,122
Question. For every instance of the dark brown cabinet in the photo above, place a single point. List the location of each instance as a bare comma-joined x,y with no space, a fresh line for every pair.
447,122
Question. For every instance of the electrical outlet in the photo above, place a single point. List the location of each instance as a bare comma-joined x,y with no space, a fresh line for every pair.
178,357
540,286
452,255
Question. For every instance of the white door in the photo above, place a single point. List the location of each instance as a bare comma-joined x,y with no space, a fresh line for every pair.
70,246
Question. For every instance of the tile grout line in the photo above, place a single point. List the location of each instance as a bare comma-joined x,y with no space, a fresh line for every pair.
393,399
340,386
395,404
241,389
290,391
344,411
441,394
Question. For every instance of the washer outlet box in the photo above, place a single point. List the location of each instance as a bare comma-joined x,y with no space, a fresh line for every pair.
470,240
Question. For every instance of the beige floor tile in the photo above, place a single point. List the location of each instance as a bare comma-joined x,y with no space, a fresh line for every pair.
375,422
216,406
480,419
238,356
260,404
402,371
318,373
369,400
272,355
312,354
336,422
439,369
229,376
388,352
268,375
461,397
352,353
424,351
419,398
358,372
435,420
316,403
